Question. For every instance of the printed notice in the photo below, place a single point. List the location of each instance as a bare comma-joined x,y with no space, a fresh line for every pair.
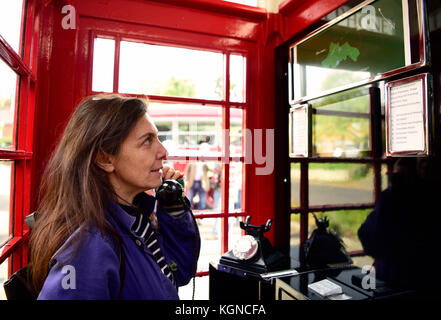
300,131
407,117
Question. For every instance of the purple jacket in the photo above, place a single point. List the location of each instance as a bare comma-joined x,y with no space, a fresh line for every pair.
94,271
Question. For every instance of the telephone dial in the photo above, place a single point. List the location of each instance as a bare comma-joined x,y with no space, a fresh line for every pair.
253,252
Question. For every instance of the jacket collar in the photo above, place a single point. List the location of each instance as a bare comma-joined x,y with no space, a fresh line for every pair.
125,220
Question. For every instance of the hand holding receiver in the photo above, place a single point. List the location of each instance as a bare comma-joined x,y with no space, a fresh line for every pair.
171,195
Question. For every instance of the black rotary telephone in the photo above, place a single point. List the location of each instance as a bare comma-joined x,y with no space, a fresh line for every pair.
253,252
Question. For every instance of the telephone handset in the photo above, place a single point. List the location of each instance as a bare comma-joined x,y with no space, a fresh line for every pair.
253,252
171,193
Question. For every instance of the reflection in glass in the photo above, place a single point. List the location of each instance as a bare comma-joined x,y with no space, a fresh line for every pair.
345,223
5,193
340,183
384,177
188,130
8,89
295,185
348,51
341,125
237,78
10,22
103,64
170,71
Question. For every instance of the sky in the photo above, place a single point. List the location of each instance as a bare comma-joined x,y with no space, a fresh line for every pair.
10,19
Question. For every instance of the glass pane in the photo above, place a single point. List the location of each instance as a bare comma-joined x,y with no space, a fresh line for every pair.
170,71
8,100
294,241
384,177
237,78
103,65
341,125
236,132
201,289
3,278
234,230
295,185
5,193
347,52
247,2
209,229
340,183
345,223
214,193
188,130
235,188
10,22
202,189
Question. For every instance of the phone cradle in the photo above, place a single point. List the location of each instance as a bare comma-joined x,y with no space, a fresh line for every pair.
253,252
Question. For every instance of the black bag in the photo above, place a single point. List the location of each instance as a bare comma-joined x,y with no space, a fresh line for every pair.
19,287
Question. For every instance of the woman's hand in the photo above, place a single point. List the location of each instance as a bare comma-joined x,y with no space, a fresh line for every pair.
170,173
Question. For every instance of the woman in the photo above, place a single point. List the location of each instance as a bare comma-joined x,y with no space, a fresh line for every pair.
98,235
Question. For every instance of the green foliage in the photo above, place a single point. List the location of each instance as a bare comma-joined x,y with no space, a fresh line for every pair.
346,222
5,103
342,130
179,88
337,54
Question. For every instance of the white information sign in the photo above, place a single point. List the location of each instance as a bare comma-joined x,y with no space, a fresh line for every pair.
406,114
300,131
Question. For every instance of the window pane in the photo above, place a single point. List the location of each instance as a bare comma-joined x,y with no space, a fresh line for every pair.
201,291
341,125
170,71
345,223
236,132
234,230
235,188
247,2
207,198
295,185
210,230
103,65
8,89
3,278
384,177
340,183
188,130
5,193
10,22
237,78
347,51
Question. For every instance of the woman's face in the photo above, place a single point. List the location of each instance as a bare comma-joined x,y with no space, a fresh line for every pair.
137,166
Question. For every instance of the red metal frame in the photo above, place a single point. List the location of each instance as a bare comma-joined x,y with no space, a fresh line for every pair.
22,156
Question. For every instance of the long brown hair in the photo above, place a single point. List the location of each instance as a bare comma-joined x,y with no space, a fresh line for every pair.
74,190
